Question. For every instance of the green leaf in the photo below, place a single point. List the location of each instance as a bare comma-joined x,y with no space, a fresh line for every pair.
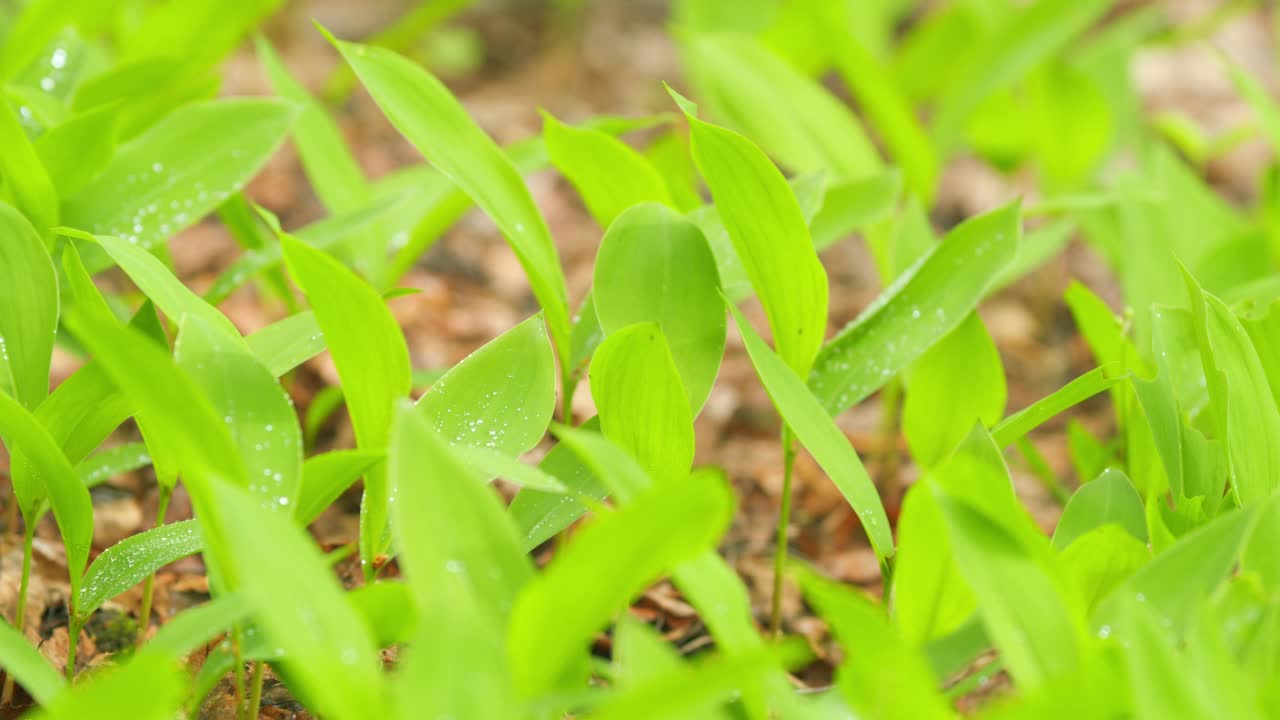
333,171
455,666
29,298
815,429
1101,558
1108,499
487,464
24,663
886,106
929,597
447,524
881,676
669,523
642,403
133,559
955,383
76,150
793,117
607,173
257,411
167,179
388,609
431,118
372,360
654,265
1017,425
1179,580
540,515
501,396
148,687
327,476
109,463
300,607
196,626
287,343
25,183
926,302
1029,621
1020,43
61,485
1244,411
770,237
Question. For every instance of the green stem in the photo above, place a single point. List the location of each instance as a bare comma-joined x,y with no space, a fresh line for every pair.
255,691
20,619
887,468
148,590
784,522
73,631
236,652
1040,468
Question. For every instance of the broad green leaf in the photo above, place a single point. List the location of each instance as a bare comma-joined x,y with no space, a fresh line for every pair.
700,690
29,298
669,523
793,117
449,527
1108,499
79,148
300,607
1264,331
501,396
929,597
955,383
855,205
881,676
770,238
815,429
158,283
925,303
643,405
133,559
26,184
1162,685
1179,580
59,483
333,171
455,666
487,464
431,118
147,687
880,98
327,476
167,179
640,653
24,663
1022,41
99,468
654,265
194,627
287,343
1017,425
540,515
1101,558
389,610
607,173
257,411
1244,409
1030,623
372,360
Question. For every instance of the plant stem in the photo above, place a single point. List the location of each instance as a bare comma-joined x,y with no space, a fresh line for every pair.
1040,468
239,668
73,631
887,467
784,522
255,691
20,619
144,614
